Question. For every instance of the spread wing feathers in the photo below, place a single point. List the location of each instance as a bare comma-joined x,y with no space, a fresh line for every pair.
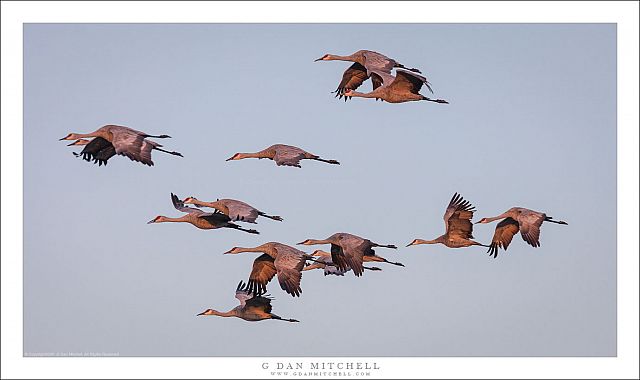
352,78
251,300
376,80
338,258
104,155
132,144
408,81
353,255
458,207
99,150
457,217
289,266
381,78
530,227
289,156
503,235
217,219
239,211
377,61
243,293
179,205
262,272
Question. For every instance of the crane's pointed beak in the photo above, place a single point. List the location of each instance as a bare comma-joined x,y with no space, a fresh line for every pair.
73,143
199,314
151,221
316,60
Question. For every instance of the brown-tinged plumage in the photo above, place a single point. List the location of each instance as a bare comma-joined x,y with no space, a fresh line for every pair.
457,221
277,259
348,251
200,219
253,307
283,155
404,87
528,222
123,140
234,209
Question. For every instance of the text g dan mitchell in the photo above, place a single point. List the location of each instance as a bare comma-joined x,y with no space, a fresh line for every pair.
321,366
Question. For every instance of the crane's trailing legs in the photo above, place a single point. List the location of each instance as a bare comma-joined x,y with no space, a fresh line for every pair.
157,137
435,100
334,162
550,219
274,217
273,316
384,246
166,151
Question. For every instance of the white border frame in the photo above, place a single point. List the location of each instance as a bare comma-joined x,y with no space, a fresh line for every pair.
14,14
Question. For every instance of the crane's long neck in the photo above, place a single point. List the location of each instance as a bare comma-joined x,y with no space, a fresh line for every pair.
364,95
437,240
230,313
261,154
315,242
333,57
165,219
217,205
501,216
254,249
77,136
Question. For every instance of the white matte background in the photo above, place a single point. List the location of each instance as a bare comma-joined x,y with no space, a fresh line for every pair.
436,206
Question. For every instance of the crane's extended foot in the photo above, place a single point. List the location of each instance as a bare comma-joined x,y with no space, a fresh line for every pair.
237,227
334,162
410,69
385,246
166,151
435,100
274,217
158,137
550,219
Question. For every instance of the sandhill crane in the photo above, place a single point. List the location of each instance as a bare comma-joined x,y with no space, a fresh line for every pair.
457,221
365,62
200,219
404,87
277,258
236,210
125,141
516,219
371,60
348,251
329,267
252,307
99,150
357,74
283,155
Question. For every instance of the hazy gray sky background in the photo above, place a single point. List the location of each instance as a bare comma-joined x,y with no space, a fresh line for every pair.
532,123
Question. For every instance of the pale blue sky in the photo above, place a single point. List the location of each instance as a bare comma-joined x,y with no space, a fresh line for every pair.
532,123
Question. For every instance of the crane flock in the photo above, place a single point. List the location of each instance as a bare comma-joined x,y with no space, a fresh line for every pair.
348,252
